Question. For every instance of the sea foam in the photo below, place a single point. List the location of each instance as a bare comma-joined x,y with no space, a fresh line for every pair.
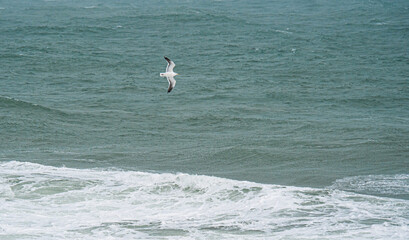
38,201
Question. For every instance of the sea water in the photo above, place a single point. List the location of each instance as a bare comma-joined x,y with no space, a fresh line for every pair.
289,120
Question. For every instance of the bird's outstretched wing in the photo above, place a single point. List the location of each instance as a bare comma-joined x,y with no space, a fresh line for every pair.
172,83
170,66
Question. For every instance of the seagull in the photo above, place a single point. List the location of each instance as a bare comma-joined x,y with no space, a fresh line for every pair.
169,74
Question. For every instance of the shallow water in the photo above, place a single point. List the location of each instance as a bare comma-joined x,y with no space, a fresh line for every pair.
47,202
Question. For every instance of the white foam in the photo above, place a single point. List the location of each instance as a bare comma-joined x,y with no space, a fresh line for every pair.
46,202
284,31
391,185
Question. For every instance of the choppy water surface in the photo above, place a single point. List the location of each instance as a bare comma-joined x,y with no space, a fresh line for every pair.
290,120
47,202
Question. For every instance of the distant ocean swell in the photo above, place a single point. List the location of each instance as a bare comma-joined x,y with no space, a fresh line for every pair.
8,102
24,117
38,201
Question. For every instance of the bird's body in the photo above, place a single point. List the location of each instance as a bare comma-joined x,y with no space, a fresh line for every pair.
169,74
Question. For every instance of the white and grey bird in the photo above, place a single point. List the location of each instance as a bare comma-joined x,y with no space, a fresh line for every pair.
169,74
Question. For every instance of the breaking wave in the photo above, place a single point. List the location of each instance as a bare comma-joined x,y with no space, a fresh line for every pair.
38,201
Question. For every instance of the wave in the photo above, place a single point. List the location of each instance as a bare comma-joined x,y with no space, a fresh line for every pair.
40,201
8,102
381,185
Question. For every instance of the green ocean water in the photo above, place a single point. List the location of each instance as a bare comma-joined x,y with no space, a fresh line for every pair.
307,96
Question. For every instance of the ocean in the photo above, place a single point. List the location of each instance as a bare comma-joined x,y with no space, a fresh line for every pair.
289,119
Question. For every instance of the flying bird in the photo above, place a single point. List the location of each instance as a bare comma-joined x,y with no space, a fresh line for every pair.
169,74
